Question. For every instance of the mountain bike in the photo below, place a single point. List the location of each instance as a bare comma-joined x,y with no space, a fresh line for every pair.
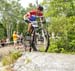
39,38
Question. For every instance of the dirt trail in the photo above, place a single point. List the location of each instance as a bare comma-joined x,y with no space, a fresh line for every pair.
6,50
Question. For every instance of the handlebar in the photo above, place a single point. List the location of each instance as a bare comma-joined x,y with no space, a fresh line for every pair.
39,17
37,21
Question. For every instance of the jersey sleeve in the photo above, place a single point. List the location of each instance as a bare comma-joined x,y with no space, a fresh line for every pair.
33,12
40,14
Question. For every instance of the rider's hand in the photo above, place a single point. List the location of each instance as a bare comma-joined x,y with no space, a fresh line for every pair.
24,17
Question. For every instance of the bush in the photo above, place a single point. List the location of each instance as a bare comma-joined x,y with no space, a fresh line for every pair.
58,45
53,46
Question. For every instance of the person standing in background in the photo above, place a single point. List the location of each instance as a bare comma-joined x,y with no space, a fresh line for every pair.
15,38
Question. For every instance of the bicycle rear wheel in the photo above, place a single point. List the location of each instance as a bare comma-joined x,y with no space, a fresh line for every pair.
26,42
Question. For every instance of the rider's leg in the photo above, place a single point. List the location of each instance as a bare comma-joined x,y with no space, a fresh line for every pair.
30,28
29,25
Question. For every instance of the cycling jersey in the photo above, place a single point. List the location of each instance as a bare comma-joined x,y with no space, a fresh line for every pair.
32,15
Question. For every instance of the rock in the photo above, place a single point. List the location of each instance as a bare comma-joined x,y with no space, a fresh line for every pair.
37,61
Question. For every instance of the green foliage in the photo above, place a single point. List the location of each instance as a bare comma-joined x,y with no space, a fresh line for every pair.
10,59
11,13
53,46
57,45
66,32
22,27
2,32
59,8
62,23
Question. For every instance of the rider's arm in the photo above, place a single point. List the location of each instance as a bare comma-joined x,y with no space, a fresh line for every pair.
26,15
42,19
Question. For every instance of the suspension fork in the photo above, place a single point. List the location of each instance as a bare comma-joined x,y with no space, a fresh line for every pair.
43,33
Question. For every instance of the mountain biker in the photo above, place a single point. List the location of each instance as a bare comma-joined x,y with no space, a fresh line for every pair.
31,16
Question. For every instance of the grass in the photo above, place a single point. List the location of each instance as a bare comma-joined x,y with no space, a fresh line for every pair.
11,58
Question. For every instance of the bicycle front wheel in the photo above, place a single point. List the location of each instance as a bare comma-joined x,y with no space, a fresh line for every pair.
42,41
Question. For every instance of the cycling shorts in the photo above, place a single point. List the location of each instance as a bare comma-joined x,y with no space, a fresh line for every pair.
30,19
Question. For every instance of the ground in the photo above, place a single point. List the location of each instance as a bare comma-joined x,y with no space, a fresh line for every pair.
41,61
8,49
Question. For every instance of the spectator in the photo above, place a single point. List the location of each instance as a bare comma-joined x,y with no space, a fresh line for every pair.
3,41
0,43
15,37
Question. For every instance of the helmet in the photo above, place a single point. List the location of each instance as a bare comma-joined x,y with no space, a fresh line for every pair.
40,8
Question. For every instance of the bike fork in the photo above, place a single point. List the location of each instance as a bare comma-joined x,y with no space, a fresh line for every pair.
43,35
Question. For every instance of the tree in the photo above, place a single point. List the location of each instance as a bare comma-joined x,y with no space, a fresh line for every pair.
62,20
2,31
11,15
